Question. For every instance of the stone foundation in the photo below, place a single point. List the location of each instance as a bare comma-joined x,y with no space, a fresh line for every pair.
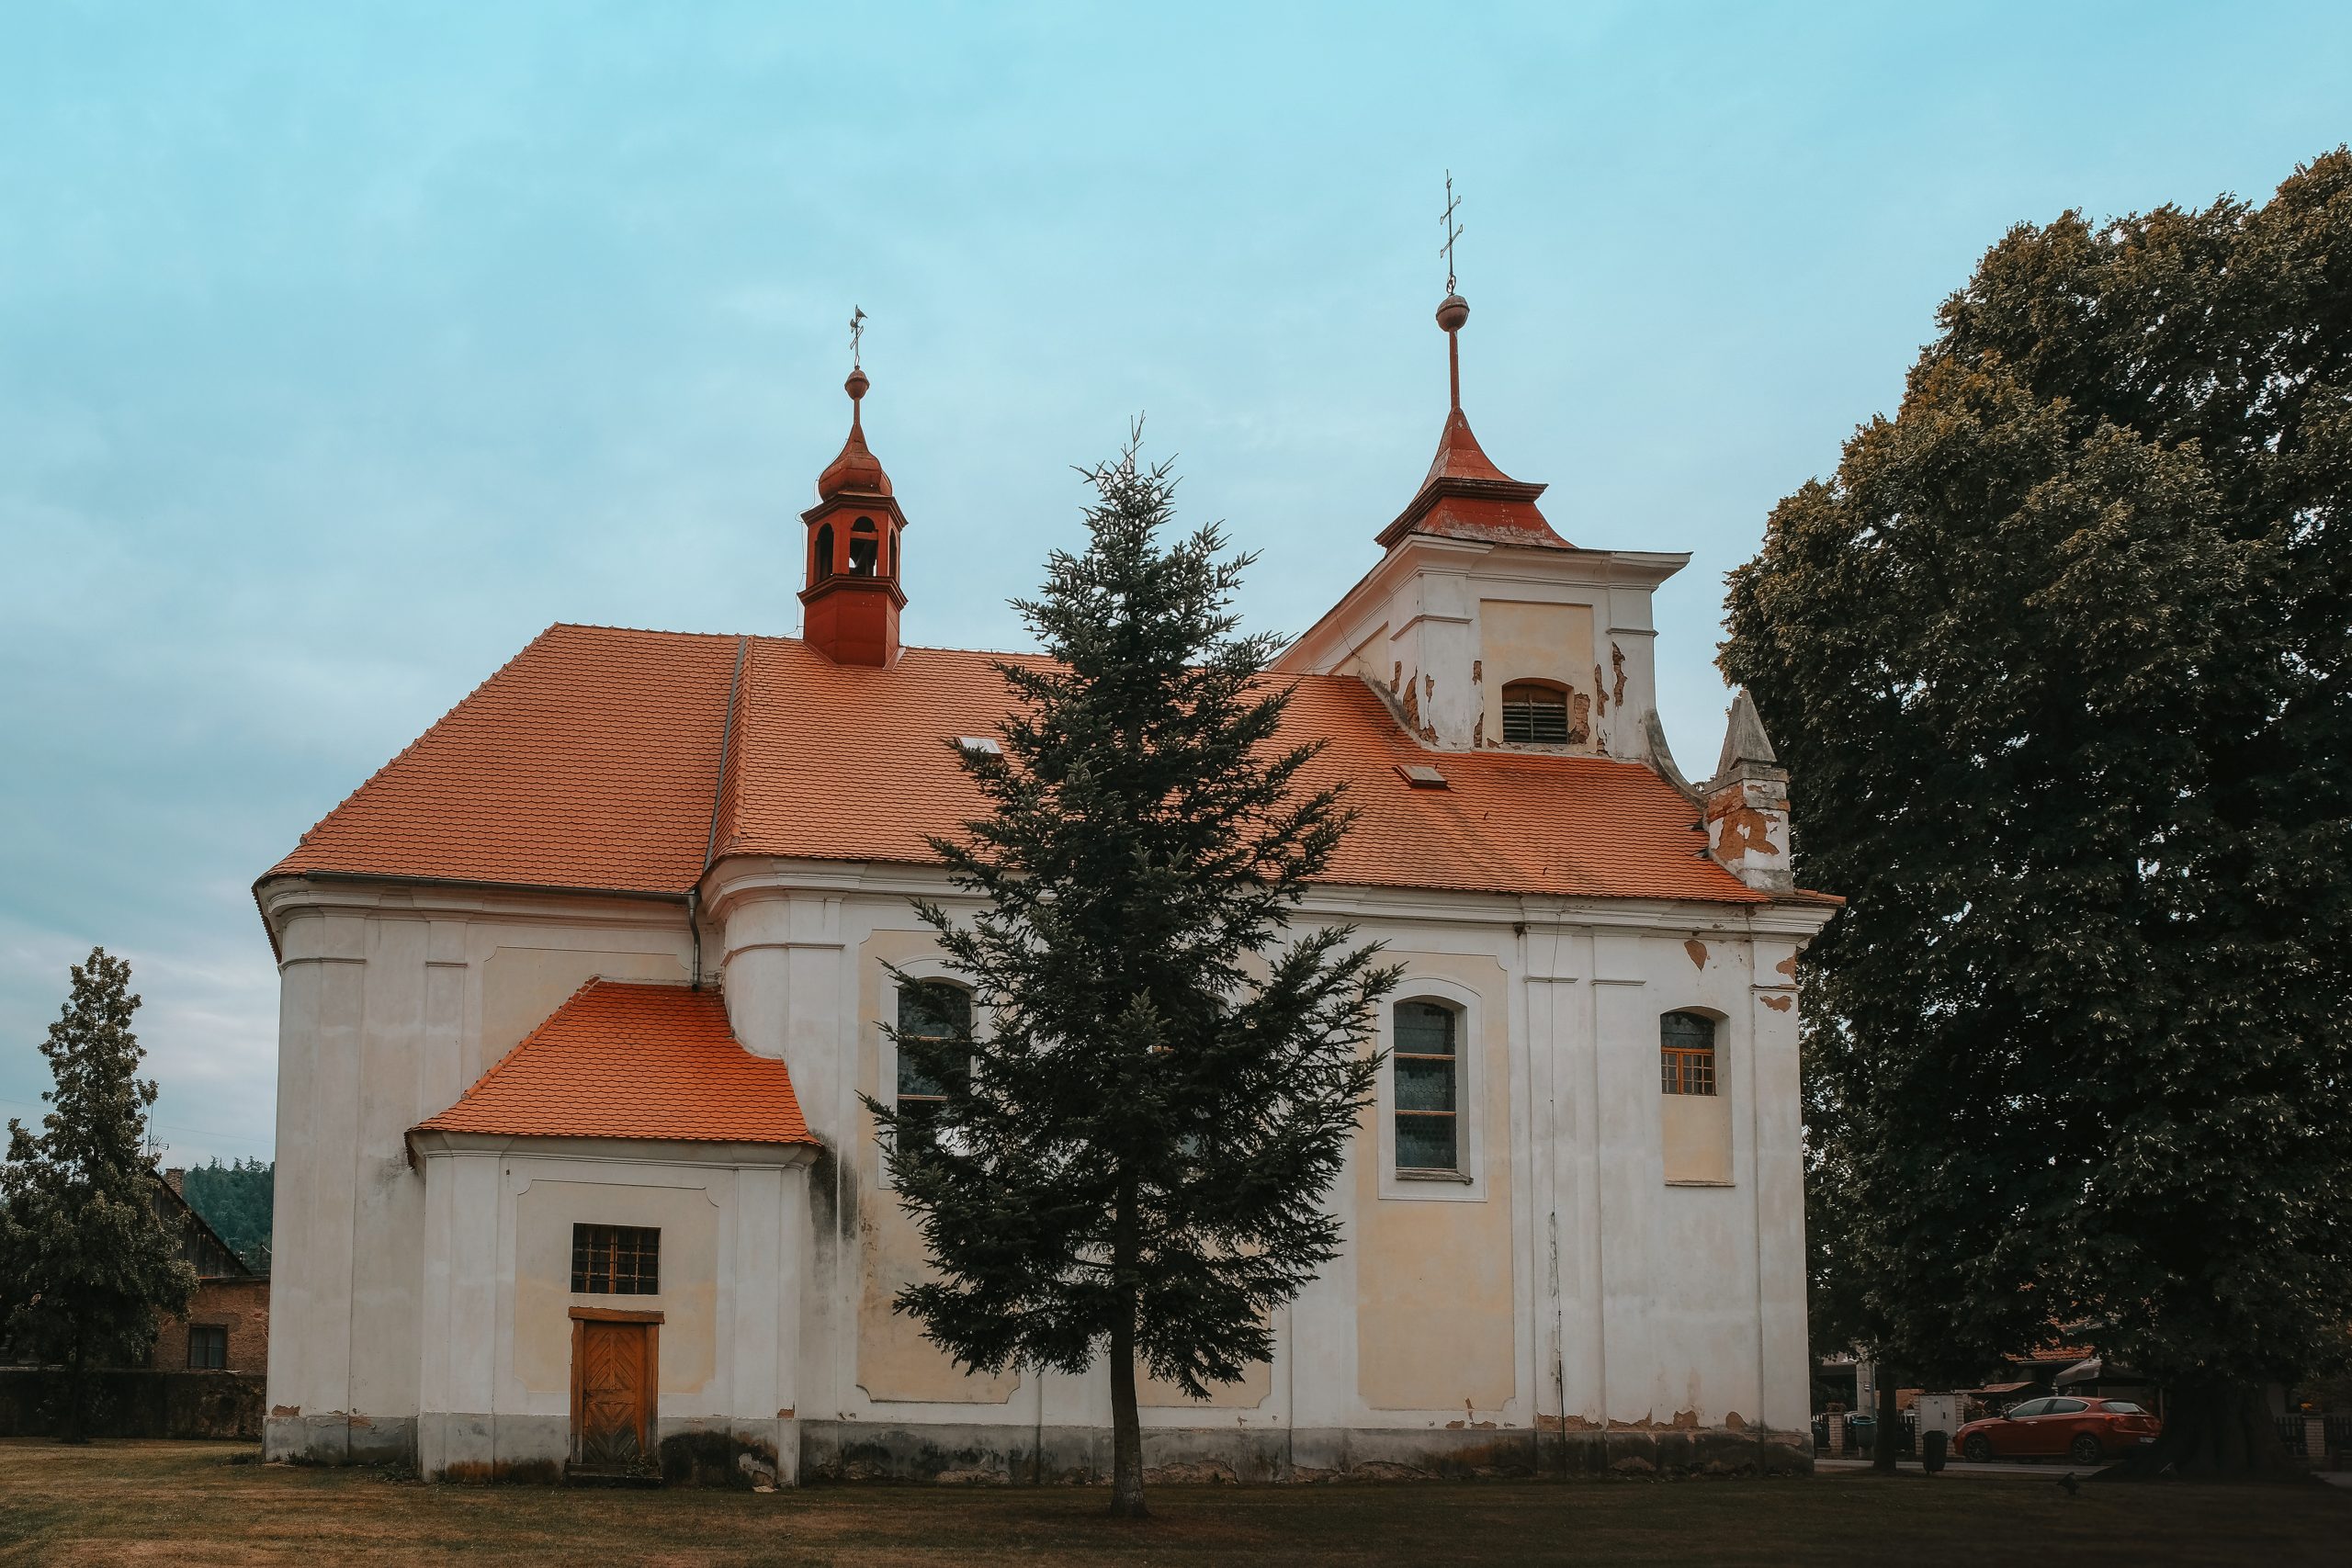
714,1451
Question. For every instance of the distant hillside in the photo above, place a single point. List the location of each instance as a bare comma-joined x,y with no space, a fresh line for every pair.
235,1201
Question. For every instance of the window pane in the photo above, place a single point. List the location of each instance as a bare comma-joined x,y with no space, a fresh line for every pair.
913,1080
1687,1031
1425,1143
1424,1029
1424,1085
935,1013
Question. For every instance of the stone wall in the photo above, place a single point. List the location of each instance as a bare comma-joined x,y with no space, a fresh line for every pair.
134,1404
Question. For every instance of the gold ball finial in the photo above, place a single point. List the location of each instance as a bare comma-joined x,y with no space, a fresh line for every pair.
1453,312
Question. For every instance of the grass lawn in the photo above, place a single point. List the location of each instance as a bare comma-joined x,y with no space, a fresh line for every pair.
185,1503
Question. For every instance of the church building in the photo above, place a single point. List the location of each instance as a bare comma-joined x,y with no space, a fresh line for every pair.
580,993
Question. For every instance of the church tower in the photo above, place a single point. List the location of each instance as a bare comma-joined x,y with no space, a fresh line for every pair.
1482,628
852,599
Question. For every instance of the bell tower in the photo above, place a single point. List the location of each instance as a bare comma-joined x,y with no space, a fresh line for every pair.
852,601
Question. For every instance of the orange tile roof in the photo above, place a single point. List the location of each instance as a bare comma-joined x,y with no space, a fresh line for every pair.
588,760
619,1060
593,760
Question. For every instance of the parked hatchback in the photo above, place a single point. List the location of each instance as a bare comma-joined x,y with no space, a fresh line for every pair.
2087,1431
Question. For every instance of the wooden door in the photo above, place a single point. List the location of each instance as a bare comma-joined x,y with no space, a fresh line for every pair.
612,1391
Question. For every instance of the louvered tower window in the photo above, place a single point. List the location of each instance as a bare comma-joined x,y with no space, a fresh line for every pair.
1534,712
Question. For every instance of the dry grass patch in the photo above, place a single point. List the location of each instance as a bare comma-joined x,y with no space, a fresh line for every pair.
185,1503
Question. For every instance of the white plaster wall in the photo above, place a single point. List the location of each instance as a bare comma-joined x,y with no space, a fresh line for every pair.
1633,1302
380,1026
1630,1302
496,1387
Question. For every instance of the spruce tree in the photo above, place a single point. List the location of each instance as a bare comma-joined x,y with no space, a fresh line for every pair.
2069,642
1131,1158
85,1264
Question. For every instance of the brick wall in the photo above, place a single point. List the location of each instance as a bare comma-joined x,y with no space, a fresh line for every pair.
242,1306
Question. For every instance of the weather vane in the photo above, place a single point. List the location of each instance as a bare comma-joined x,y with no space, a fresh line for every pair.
856,332
1452,230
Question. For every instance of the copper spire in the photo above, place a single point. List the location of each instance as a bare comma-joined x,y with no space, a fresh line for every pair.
857,468
1464,495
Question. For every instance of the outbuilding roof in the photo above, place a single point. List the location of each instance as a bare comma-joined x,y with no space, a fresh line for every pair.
593,760
622,1060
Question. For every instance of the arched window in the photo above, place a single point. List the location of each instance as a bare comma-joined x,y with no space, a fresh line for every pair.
1535,712
1426,1061
865,547
933,1010
1686,1053
820,564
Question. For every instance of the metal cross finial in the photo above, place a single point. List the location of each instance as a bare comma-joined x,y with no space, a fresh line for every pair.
1452,230
856,332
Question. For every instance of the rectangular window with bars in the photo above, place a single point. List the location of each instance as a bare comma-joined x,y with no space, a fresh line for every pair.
1427,1068
615,1261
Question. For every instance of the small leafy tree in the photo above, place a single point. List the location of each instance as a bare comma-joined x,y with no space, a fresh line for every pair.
1130,1161
84,1265
2069,643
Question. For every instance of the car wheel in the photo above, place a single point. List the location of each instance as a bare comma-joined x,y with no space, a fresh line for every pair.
1976,1450
2086,1449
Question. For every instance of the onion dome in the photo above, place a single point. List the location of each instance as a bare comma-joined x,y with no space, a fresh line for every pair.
856,470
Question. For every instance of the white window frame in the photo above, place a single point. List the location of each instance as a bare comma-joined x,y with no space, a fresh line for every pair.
1468,1184
886,1077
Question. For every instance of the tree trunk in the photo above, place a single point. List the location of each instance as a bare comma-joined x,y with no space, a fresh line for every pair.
1889,1434
1127,1429
2212,1431
75,1431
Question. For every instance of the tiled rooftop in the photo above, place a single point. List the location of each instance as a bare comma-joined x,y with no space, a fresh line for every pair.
592,761
632,1061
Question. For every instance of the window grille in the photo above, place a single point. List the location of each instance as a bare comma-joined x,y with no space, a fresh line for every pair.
615,1261
1535,713
207,1347
1686,1053
1427,1068
927,1012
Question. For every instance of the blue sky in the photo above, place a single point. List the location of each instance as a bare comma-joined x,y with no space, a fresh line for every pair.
343,348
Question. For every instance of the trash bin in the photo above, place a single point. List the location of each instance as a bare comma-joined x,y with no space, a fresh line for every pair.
1931,1449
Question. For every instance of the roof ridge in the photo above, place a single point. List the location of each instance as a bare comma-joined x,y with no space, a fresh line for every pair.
636,631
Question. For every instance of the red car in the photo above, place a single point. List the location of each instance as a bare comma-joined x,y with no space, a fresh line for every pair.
2087,1431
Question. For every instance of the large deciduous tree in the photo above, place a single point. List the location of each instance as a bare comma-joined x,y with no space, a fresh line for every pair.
1130,1158
2065,643
85,1264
